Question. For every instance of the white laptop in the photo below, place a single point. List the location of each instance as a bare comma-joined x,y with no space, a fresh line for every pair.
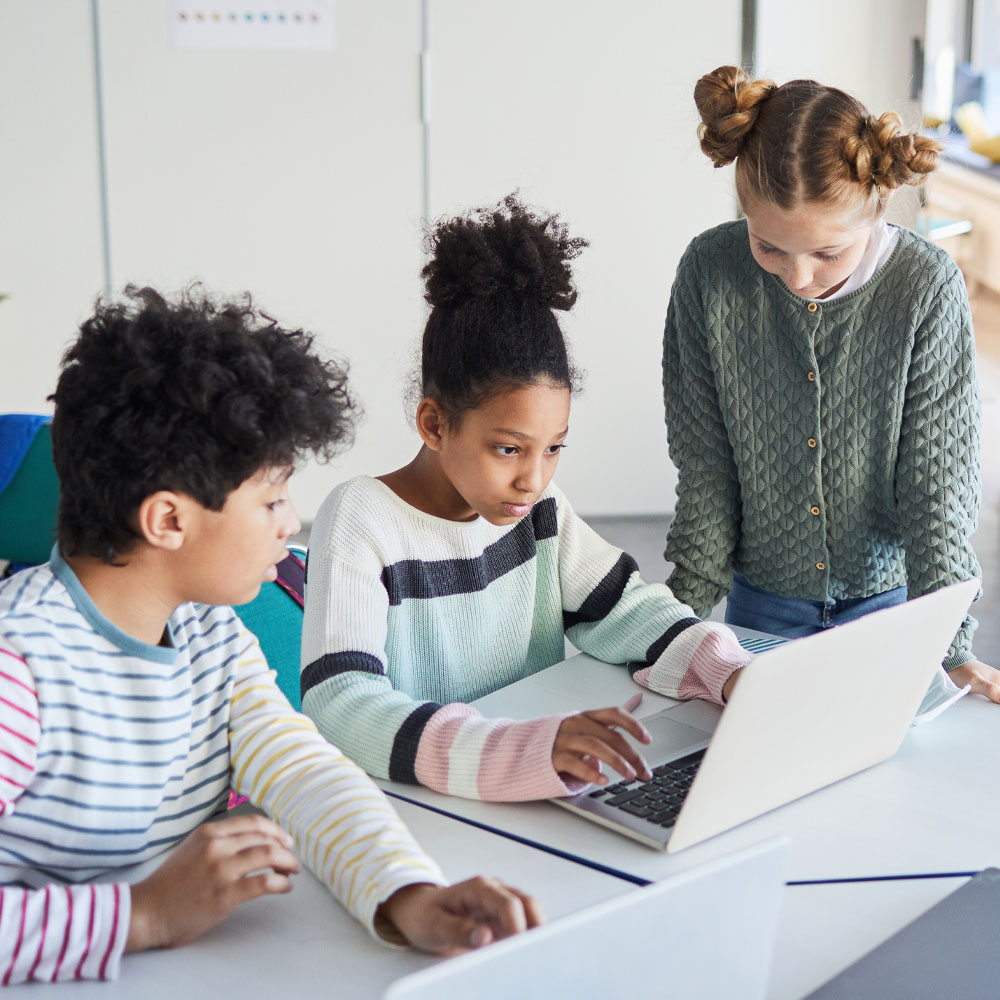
707,933
805,714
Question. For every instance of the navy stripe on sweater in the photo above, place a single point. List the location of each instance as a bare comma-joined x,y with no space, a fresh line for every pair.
415,578
655,651
334,664
602,599
403,759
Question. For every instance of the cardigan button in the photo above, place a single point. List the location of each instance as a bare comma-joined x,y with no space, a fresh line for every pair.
811,442
814,510
821,566
811,376
812,307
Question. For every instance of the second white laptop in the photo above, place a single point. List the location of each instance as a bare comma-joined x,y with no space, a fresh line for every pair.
804,714
707,933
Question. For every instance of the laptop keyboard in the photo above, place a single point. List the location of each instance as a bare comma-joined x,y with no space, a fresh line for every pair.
659,800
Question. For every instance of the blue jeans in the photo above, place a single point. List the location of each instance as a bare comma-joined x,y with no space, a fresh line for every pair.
792,617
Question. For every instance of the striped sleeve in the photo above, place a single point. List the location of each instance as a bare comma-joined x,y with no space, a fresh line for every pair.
612,614
59,932
343,826
449,748
56,932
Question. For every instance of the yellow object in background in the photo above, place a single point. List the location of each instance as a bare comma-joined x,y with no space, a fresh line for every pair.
972,122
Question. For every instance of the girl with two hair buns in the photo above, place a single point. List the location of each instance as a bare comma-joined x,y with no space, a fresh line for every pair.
819,376
464,570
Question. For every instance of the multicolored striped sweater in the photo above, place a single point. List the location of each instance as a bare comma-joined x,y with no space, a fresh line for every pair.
409,616
112,751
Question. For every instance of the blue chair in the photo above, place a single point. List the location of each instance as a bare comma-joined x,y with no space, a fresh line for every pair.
29,489
275,617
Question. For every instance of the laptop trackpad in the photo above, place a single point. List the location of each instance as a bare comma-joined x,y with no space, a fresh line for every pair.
670,738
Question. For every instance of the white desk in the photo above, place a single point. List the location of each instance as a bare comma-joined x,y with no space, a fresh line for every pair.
825,928
877,823
933,807
305,945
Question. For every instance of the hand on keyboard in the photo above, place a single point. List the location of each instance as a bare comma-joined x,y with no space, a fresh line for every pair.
587,738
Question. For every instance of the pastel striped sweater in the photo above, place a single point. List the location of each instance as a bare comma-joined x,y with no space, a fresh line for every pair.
112,751
409,616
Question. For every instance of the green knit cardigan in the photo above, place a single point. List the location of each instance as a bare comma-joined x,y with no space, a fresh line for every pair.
824,450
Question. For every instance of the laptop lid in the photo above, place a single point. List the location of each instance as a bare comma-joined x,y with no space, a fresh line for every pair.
949,951
813,711
708,932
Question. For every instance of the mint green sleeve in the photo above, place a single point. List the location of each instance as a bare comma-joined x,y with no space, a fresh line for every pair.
705,528
937,466
612,614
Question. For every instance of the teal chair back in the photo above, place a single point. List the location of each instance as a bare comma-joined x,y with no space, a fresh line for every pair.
275,617
29,504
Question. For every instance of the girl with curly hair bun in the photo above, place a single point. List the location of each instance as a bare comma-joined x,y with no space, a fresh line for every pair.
462,571
819,376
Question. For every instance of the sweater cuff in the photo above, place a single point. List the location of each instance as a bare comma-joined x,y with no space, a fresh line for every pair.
699,594
497,760
958,659
517,762
696,663
960,651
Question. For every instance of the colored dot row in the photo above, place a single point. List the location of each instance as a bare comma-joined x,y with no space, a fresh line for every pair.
249,16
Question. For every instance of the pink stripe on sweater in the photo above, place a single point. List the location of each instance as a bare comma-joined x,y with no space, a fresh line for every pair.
14,680
20,736
41,943
715,659
431,763
20,939
90,935
642,676
14,656
69,926
516,763
114,934
16,760
17,708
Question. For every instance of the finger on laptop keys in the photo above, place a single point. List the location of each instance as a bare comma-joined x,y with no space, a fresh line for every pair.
630,706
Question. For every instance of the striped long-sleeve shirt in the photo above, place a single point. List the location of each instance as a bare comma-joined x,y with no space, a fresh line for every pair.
112,751
409,616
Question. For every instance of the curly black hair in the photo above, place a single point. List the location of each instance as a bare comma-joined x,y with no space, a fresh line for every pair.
192,395
494,277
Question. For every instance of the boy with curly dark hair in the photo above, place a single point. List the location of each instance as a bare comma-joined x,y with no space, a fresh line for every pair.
132,698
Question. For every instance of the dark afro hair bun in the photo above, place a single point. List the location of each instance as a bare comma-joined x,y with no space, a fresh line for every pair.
501,250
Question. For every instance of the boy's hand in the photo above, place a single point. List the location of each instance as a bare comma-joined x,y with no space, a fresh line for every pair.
448,920
984,679
588,737
207,877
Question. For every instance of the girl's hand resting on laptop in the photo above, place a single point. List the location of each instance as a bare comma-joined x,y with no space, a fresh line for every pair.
982,678
448,920
585,739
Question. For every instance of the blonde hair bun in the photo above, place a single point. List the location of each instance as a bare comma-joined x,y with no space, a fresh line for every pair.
884,155
728,102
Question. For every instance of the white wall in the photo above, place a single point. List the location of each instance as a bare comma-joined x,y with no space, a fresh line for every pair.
50,246
298,175
293,174
586,107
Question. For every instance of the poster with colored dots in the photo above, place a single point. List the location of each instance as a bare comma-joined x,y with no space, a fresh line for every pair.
281,25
